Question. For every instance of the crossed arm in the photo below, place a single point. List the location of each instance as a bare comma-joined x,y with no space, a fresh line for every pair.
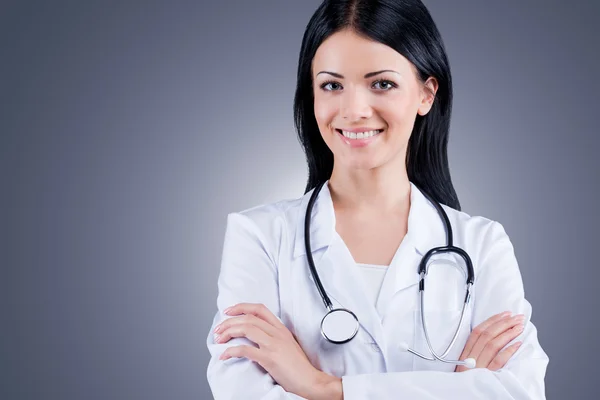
255,356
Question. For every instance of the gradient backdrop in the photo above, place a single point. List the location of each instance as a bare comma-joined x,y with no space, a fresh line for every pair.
128,131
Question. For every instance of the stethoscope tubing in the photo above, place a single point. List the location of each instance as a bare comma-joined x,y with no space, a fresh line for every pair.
449,248
311,263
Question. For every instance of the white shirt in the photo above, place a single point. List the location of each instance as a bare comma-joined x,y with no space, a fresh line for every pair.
372,279
264,261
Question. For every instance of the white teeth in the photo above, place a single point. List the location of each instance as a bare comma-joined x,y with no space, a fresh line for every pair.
360,135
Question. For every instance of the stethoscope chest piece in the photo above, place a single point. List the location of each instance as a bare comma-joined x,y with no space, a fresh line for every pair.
339,325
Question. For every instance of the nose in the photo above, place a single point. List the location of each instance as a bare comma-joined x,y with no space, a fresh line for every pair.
355,105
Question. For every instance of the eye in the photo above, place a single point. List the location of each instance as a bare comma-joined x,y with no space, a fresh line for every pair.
388,85
329,83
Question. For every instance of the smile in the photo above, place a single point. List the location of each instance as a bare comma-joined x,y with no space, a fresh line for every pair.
359,135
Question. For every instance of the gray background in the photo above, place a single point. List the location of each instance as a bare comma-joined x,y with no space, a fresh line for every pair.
130,130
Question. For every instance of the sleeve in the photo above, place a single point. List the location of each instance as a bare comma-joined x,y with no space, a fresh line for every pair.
499,287
248,275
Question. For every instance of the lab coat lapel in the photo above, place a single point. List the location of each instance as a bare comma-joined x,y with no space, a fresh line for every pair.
401,274
425,231
335,265
425,225
322,222
340,277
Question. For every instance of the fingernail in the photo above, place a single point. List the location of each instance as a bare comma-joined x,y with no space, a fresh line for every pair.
519,328
217,337
519,317
217,329
227,310
505,314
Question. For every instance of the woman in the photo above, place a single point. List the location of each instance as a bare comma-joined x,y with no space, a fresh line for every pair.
372,110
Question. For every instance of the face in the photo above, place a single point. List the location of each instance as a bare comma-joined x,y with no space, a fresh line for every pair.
352,97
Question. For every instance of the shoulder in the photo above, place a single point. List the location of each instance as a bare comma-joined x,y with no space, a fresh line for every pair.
477,232
488,245
467,222
265,216
486,241
266,225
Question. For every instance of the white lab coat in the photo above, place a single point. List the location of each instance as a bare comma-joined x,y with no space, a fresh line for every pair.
264,261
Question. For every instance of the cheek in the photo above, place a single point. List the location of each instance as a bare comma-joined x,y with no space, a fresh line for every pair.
399,113
324,113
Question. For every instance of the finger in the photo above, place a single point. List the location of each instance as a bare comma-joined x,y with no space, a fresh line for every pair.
478,330
246,319
491,333
505,324
460,368
474,337
502,358
493,347
249,352
257,309
251,332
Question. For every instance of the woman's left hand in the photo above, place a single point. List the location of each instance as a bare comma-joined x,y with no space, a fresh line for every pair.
278,351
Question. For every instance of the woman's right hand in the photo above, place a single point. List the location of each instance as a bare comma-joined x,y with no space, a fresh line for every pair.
489,337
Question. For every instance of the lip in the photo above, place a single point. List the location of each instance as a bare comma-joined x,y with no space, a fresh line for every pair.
359,142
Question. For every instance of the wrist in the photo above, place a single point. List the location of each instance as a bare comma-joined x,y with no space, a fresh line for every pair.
329,387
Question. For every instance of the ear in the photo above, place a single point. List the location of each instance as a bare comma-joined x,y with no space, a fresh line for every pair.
428,91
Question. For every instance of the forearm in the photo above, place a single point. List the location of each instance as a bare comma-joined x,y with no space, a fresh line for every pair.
480,383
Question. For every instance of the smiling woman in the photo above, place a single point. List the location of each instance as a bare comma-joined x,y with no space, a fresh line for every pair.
372,109
390,99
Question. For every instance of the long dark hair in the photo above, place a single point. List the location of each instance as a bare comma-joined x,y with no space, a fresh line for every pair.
407,27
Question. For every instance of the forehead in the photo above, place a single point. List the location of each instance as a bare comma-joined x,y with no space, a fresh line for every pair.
348,53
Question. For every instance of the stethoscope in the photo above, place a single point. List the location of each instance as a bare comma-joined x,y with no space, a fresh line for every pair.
340,325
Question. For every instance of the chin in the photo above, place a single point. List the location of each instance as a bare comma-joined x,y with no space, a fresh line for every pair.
362,164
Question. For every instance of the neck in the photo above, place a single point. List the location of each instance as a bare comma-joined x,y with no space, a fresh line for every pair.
385,189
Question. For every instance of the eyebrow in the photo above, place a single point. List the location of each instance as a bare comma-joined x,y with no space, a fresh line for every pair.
369,75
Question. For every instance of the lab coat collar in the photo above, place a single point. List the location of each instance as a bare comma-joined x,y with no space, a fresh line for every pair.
425,226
